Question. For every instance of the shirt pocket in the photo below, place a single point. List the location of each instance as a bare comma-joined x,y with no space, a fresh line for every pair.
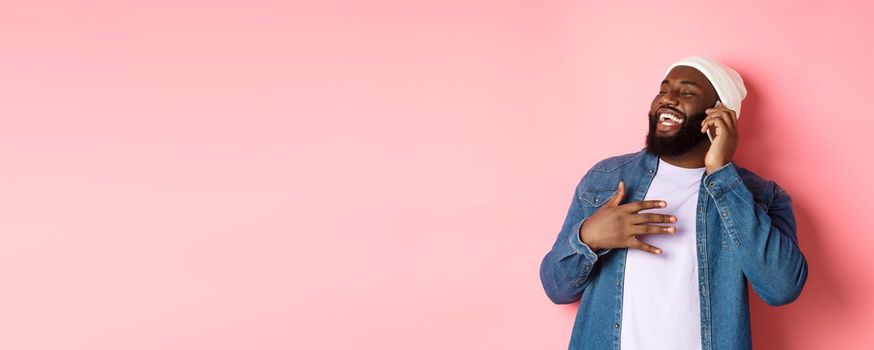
596,197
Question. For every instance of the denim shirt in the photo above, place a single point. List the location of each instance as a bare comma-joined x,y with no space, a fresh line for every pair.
745,233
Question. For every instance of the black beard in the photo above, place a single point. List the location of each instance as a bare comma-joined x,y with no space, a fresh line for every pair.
688,136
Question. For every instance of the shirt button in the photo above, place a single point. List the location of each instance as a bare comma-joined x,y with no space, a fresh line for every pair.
618,283
650,171
711,184
615,325
724,213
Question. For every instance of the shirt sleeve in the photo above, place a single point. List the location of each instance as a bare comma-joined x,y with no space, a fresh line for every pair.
564,271
764,238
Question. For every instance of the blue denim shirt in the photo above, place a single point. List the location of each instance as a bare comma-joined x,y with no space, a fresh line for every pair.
745,234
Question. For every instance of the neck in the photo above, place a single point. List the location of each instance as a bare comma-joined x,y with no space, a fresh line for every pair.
694,158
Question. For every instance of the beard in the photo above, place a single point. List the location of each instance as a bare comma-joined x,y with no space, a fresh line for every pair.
686,138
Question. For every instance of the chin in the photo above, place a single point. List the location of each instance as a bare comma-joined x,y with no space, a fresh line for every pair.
670,135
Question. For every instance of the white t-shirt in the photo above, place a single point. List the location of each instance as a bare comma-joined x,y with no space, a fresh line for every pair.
660,305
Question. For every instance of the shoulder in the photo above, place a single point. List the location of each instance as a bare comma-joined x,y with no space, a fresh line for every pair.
752,180
763,189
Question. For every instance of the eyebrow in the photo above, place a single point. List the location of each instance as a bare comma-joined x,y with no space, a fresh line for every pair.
684,82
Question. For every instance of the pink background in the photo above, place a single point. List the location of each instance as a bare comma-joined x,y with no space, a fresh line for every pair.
386,174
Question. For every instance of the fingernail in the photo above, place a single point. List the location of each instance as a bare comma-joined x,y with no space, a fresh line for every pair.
673,219
663,204
658,251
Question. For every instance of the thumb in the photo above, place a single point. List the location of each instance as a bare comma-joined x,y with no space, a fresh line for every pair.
619,195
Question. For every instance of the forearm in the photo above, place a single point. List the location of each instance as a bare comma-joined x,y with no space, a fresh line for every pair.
564,271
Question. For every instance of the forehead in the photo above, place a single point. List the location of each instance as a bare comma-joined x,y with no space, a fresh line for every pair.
687,74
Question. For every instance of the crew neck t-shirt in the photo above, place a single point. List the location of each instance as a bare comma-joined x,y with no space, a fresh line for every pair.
660,303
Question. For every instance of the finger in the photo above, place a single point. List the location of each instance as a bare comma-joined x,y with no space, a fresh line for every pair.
728,116
705,124
731,118
712,121
637,244
653,218
635,207
725,113
718,124
620,193
653,230
706,128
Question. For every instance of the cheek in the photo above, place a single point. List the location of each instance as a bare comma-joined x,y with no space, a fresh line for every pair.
693,108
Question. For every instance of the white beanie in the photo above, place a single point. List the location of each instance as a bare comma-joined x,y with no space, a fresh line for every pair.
728,84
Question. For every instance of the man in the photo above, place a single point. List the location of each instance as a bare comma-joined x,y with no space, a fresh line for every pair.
659,245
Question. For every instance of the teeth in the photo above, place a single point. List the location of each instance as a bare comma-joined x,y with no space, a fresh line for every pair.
665,116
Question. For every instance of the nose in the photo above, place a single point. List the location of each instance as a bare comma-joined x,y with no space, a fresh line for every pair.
668,99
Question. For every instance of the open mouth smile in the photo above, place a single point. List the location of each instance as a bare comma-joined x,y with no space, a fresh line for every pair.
669,120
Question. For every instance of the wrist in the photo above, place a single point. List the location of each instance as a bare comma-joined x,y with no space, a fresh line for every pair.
582,237
714,168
